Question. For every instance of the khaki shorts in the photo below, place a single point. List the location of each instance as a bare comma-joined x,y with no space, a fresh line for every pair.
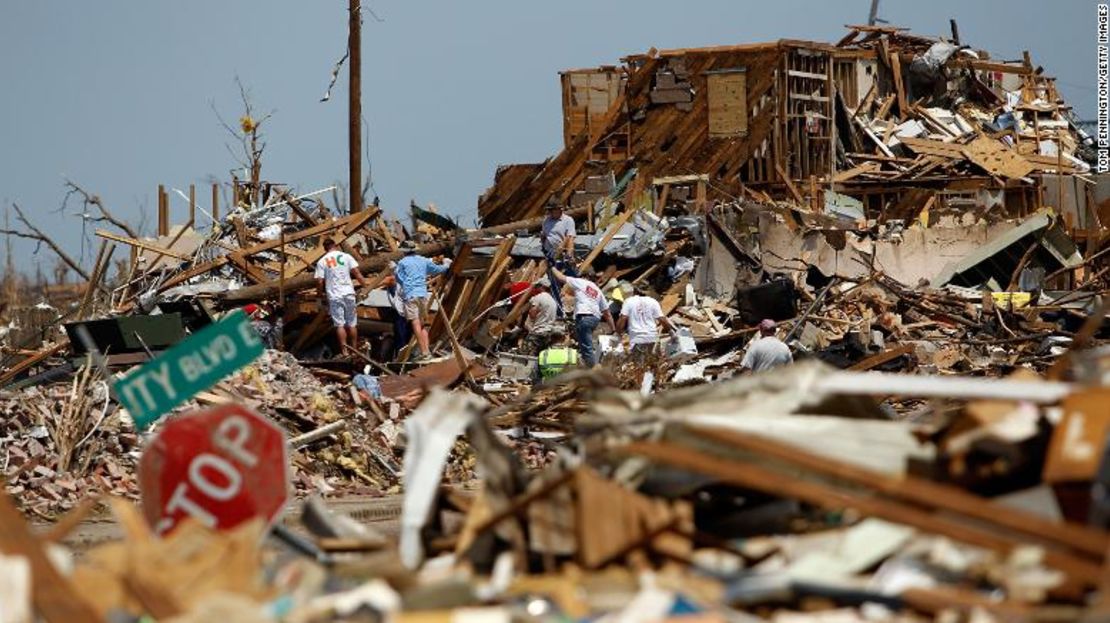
416,309
342,311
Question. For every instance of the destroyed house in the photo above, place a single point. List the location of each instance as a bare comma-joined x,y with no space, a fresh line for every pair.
882,125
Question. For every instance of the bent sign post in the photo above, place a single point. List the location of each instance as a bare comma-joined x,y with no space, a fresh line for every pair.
220,467
191,366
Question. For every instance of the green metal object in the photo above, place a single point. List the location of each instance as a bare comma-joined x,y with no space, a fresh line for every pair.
432,218
191,366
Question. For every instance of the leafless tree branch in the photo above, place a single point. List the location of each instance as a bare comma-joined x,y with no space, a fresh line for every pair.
37,234
94,200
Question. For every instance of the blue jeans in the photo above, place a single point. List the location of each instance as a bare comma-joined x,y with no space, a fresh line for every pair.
584,325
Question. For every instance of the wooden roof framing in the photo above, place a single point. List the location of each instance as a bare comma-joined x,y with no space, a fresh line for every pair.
665,139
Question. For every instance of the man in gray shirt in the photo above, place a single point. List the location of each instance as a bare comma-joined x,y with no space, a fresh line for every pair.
557,233
541,319
557,241
767,351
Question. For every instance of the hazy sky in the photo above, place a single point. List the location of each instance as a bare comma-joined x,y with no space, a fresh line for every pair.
117,95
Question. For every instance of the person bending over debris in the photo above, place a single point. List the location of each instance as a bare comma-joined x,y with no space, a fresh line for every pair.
767,351
412,274
542,316
641,316
556,358
590,307
333,280
402,331
557,242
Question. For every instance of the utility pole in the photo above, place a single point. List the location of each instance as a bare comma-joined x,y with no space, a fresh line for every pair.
873,16
354,107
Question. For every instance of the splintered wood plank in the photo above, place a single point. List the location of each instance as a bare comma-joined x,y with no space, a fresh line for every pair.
390,241
53,595
879,359
866,167
33,360
495,274
146,246
614,227
794,192
895,62
252,272
241,233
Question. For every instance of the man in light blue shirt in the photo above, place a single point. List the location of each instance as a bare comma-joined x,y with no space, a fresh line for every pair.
412,273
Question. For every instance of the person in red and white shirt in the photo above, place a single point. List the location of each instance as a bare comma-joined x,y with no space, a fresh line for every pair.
590,307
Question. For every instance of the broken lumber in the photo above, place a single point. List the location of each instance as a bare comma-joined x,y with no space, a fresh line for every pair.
379,262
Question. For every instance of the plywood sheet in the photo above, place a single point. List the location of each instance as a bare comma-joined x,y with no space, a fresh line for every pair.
996,159
728,103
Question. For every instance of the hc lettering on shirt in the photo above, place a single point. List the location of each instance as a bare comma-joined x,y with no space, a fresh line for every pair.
335,269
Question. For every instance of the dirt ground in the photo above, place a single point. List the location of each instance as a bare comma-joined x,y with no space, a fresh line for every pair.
382,513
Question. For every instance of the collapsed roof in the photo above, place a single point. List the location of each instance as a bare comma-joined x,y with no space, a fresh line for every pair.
899,124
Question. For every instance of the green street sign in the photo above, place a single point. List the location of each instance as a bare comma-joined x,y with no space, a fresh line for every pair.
191,366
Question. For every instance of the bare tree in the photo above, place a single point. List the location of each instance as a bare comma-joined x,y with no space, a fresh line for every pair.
34,233
87,200
250,139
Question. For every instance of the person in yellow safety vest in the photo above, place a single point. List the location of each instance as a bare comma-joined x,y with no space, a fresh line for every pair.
556,358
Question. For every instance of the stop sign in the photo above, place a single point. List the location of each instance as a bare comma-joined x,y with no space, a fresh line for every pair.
221,467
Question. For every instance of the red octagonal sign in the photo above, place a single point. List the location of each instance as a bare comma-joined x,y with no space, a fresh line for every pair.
221,467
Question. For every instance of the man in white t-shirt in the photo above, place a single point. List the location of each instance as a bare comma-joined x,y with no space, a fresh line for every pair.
333,280
590,307
641,317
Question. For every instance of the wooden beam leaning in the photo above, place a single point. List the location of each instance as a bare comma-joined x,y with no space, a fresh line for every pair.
919,491
33,360
753,476
612,230
319,229
146,246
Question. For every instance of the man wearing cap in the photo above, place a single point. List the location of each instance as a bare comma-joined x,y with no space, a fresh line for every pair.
333,280
541,319
590,307
767,351
556,358
641,316
557,242
412,272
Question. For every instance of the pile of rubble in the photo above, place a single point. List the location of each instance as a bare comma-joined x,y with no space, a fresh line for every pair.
790,496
